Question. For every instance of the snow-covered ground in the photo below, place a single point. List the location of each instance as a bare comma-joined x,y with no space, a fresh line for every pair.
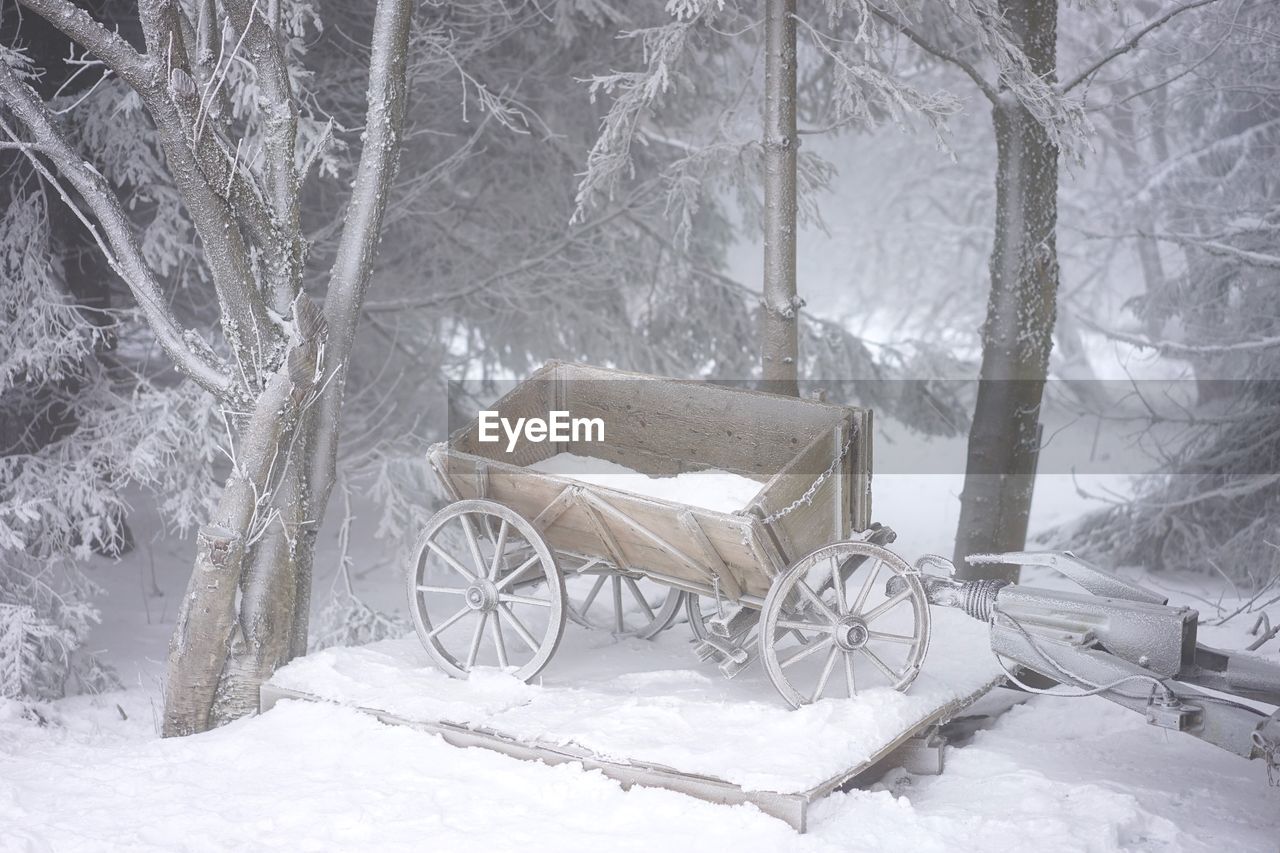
89,773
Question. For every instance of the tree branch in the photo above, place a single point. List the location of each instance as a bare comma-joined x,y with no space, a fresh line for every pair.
279,109
126,258
549,252
1222,250
81,27
349,279
1131,42
1178,350
244,318
1260,260
984,86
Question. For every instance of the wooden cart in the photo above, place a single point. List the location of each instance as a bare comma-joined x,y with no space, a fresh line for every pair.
786,578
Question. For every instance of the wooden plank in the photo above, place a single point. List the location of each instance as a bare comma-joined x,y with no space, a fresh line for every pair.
661,426
530,492
791,808
767,554
607,541
840,501
728,583
697,426
602,506
860,509
830,515
554,510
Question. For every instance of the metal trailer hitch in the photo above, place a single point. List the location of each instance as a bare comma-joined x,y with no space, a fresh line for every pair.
1118,640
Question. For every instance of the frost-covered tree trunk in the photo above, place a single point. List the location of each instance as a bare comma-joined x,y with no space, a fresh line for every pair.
275,589
1017,336
279,379
779,344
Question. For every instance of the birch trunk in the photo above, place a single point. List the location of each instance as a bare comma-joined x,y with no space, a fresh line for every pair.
275,594
779,347
1017,336
203,635
245,610
353,265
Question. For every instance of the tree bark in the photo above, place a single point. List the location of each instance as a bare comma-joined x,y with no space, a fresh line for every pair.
779,345
353,265
245,611
276,590
1017,336
203,635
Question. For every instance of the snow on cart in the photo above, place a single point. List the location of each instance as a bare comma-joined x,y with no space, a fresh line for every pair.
747,512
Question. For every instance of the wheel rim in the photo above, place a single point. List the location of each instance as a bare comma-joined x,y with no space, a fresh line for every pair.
698,609
484,590
606,600
830,631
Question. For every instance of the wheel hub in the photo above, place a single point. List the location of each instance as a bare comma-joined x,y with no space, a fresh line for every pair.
482,595
851,634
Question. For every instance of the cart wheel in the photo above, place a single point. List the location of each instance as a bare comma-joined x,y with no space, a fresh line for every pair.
607,600
484,589
816,622
697,610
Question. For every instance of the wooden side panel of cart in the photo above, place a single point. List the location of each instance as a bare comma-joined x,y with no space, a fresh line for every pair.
662,427
690,547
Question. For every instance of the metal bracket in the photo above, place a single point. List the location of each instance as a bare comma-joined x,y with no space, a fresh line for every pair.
1174,715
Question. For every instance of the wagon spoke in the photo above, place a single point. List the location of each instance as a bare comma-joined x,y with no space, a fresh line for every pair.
444,590
473,545
808,650
813,597
496,630
523,599
448,558
475,640
792,625
497,550
827,666
617,605
519,627
873,571
880,665
639,596
595,590
891,638
450,621
886,605
849,680
521,569
841,606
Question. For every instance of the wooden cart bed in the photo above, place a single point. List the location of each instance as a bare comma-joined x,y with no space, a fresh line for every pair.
662,427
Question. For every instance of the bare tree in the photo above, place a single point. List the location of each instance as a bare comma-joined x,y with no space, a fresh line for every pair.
779,349
1017,336
1004,440
1034,116
1205,202
280,376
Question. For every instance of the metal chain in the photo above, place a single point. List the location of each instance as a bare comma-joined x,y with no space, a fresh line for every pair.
807,497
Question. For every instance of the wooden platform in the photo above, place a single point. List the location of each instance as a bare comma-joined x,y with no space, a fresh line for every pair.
645,713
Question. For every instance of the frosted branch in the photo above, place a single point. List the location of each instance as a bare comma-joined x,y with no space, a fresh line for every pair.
1131,43
125,256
